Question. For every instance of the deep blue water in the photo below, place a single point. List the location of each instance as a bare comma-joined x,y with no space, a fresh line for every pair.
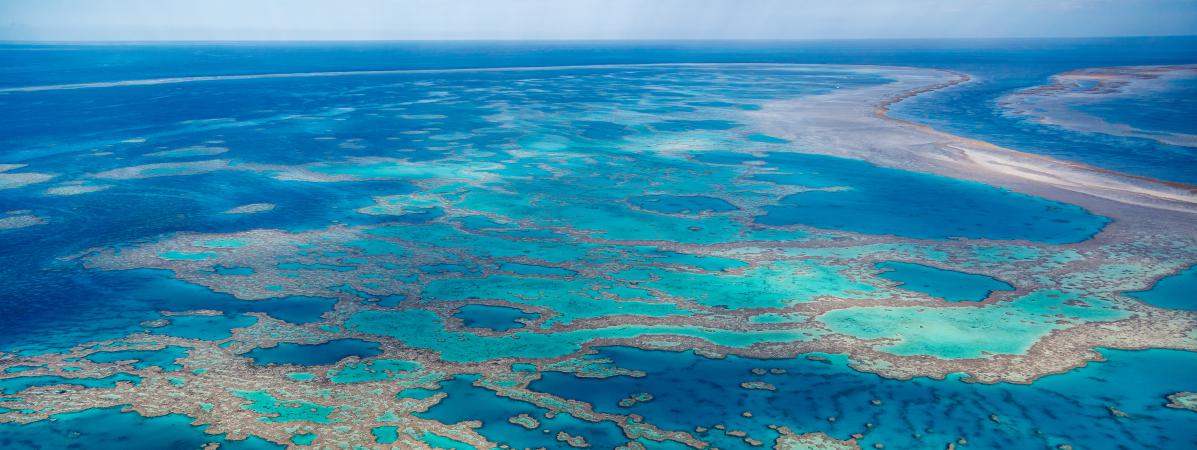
14,385
1177,291
314,355
881,198
496,318
468,402
50,304
1166,111
109,428
948,285
1001,66
69,315
1071,408
69,299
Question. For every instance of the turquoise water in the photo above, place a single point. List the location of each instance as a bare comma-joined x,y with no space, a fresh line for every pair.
284,410
532,269
948,285
1001,328
681,205
438,441
303,438
620,207
878,200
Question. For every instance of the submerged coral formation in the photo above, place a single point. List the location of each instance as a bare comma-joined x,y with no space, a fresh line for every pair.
620,256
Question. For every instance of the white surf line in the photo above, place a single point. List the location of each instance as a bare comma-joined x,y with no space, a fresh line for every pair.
177,80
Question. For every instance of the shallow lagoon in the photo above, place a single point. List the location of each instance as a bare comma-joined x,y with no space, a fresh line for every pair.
878,200
483,185
970,332
681,204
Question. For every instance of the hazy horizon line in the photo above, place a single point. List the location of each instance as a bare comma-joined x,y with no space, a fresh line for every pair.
660,39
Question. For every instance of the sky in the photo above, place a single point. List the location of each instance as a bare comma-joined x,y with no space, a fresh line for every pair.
142,20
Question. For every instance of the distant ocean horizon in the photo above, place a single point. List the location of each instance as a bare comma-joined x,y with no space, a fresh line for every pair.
998,67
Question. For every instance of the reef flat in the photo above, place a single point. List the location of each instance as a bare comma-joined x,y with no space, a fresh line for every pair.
1114,100
636,256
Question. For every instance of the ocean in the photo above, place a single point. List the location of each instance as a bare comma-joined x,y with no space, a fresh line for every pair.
657,244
